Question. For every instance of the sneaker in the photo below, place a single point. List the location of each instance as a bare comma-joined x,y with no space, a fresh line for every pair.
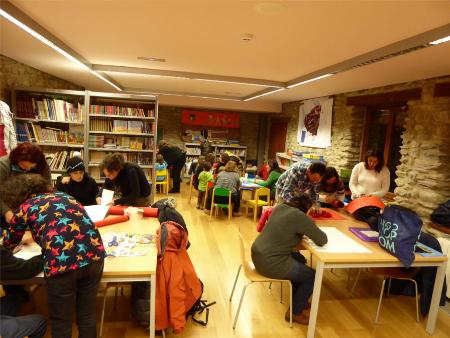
302,318
172,191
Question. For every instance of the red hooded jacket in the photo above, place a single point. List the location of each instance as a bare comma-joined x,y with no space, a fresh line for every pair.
177,284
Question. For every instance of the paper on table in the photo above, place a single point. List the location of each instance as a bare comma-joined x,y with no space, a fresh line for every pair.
107,196
338,242
28,251
96,212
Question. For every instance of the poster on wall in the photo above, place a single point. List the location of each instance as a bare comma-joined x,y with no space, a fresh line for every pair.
314,123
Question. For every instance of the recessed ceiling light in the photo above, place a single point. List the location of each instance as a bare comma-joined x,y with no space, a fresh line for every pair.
150,58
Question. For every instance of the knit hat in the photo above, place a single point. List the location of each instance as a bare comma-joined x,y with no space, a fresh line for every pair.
74,164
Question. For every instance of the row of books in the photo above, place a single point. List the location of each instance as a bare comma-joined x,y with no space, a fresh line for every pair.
138,158
57,160
49,109
121,126
33,132
120,142
123,111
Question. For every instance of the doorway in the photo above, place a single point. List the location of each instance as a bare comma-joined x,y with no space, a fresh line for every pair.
277,139
383,127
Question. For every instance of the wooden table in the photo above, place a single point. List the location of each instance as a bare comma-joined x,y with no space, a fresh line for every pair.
126,269
378,257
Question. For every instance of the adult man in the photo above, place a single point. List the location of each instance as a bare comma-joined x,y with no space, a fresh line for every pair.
297,180
176,159
12,268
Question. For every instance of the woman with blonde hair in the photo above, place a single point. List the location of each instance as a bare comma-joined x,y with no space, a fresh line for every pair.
228,179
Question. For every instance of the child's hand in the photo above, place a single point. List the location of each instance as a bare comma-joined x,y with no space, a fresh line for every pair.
8,216
98,200
65,180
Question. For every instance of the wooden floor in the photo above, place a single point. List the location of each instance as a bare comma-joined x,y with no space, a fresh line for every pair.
214,252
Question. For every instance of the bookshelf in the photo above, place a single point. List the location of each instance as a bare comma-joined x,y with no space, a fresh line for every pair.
122,123
285,161
193,151
54,119
93,123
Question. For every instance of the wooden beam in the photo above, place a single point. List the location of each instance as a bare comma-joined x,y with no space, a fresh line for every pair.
442,89
389,99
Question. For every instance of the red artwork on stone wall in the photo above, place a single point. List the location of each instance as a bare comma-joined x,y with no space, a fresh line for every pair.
210,119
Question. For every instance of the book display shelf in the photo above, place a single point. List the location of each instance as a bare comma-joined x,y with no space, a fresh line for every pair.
54,119
92,123
193,151
121,123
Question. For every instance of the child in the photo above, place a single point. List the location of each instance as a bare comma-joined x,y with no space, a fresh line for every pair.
203,179
332,190
78,184
160,165
72,248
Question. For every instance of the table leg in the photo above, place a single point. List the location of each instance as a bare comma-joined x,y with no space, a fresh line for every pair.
437,291
152,304
315,299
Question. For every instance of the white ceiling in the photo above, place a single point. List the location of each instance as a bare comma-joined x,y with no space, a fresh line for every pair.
291,39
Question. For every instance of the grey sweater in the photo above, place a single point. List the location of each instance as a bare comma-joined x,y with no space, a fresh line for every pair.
271,251
5,173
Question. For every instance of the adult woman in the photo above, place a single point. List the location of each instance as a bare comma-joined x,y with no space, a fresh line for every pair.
274,256
128,178
224,158
228,179
371,177
25,158
175,159
72,250
331,188
274,175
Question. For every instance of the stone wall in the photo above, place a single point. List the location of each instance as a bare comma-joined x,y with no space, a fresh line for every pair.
346,132
423,174
169,119
16,74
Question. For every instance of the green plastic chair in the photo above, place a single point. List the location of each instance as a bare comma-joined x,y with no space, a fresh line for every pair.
222,192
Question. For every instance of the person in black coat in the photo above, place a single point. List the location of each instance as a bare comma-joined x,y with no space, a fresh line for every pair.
176,159
12,325
128,179
78,184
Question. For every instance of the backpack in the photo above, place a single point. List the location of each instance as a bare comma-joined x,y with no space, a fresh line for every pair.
399,229
197,309
441,215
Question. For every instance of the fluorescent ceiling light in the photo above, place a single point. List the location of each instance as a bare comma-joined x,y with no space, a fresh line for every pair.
436,42
310,80
229,81
100,76
55,47
263,94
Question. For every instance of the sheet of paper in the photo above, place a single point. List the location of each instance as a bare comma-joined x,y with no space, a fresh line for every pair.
338,242
370,233
96,212
28,251
107,196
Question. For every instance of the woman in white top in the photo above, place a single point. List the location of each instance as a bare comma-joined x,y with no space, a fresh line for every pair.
371,177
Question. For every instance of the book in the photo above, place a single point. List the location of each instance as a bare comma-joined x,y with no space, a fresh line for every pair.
76,134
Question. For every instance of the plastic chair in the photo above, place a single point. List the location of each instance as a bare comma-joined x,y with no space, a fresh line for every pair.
254,277
221,192
258,202
108,286
165,183
191,188
396,273
388,274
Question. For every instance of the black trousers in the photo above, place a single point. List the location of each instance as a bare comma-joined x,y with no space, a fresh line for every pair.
175,174
75,288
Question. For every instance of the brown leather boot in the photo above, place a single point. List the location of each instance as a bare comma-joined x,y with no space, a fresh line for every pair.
302,318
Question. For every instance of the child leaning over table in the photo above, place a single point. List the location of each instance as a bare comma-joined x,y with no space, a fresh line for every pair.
203,178
72,248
